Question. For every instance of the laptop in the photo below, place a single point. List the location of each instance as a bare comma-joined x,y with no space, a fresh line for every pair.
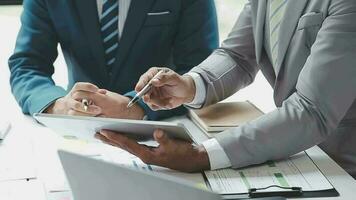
93,179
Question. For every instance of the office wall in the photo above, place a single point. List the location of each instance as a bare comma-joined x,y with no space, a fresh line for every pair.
228,11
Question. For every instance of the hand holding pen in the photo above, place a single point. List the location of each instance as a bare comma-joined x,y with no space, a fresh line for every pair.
162,88
144,90
77,102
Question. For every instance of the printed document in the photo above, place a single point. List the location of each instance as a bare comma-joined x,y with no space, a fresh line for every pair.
297,171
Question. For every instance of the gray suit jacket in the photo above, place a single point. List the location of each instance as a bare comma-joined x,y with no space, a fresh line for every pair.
314,86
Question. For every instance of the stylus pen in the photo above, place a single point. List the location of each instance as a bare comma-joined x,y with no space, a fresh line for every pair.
85,104
144,91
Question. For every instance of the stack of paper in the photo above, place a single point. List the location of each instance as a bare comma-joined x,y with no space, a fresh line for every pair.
221,116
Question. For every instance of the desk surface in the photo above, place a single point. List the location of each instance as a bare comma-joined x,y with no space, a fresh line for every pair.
45,144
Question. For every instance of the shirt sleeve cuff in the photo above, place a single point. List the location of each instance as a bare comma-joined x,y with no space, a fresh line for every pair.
217,156
142,104
200,92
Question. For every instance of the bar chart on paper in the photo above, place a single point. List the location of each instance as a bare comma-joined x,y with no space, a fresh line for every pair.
297,171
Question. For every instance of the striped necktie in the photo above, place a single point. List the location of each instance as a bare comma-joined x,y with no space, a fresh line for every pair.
276,10
109,30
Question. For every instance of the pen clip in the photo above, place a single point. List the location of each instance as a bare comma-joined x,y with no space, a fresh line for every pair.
287,191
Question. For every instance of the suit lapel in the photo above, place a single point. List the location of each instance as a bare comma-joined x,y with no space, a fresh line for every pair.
88,13
259,9
293,11
134,21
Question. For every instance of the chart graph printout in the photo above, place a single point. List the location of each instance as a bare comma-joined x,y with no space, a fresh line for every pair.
297,171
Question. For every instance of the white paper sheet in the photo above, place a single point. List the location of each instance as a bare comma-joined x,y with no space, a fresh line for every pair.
16,156
66,195
22,189
297,171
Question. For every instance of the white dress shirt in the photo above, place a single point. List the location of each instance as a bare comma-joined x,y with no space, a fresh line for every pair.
124,6
217,156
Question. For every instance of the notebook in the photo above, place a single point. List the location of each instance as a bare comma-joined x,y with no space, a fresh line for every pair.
224,115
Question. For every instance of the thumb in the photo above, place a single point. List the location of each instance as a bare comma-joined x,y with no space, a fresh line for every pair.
102,91
160,137
165,79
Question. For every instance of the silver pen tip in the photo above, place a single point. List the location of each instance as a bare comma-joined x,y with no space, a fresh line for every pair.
129,105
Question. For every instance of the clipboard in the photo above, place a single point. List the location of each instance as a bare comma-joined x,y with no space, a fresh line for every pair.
260,180
294,192
324,193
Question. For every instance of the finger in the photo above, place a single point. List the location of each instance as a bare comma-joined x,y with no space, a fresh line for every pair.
161,103
88,87
152,103
92,110
146,98
166,78
161,137
78,113
79,95
129,145
102,91
152,97
105,140
154,107
146,77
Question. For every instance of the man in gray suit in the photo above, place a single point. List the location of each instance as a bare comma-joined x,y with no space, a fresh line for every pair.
307,52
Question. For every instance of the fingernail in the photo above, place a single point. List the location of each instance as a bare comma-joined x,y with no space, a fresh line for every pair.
103,132
159,134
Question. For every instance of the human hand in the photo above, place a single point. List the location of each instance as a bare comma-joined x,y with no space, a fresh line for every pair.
169,90
171,153
114,105
71,103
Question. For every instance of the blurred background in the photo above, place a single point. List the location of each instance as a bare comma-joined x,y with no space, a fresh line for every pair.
259,92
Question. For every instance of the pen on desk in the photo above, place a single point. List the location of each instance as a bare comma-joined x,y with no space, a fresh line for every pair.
85,104
144,91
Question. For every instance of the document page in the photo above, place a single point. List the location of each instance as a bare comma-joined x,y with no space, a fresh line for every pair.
297,171
16,153
22,190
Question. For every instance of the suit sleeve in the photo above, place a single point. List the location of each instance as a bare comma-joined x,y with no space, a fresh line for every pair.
197,37
233,65
31,64
325,91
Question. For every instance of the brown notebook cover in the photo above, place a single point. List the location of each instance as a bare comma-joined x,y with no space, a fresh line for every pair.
221,116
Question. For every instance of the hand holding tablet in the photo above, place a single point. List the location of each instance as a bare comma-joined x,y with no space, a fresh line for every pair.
86,127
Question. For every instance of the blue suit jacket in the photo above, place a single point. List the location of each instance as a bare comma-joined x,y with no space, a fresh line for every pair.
180,40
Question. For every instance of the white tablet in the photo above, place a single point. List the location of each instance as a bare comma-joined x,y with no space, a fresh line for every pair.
86,127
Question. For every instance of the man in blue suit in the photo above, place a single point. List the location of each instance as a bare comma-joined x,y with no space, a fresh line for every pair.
107,45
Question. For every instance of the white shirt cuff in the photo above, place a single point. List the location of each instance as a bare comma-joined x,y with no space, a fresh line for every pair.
200,92
217,156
